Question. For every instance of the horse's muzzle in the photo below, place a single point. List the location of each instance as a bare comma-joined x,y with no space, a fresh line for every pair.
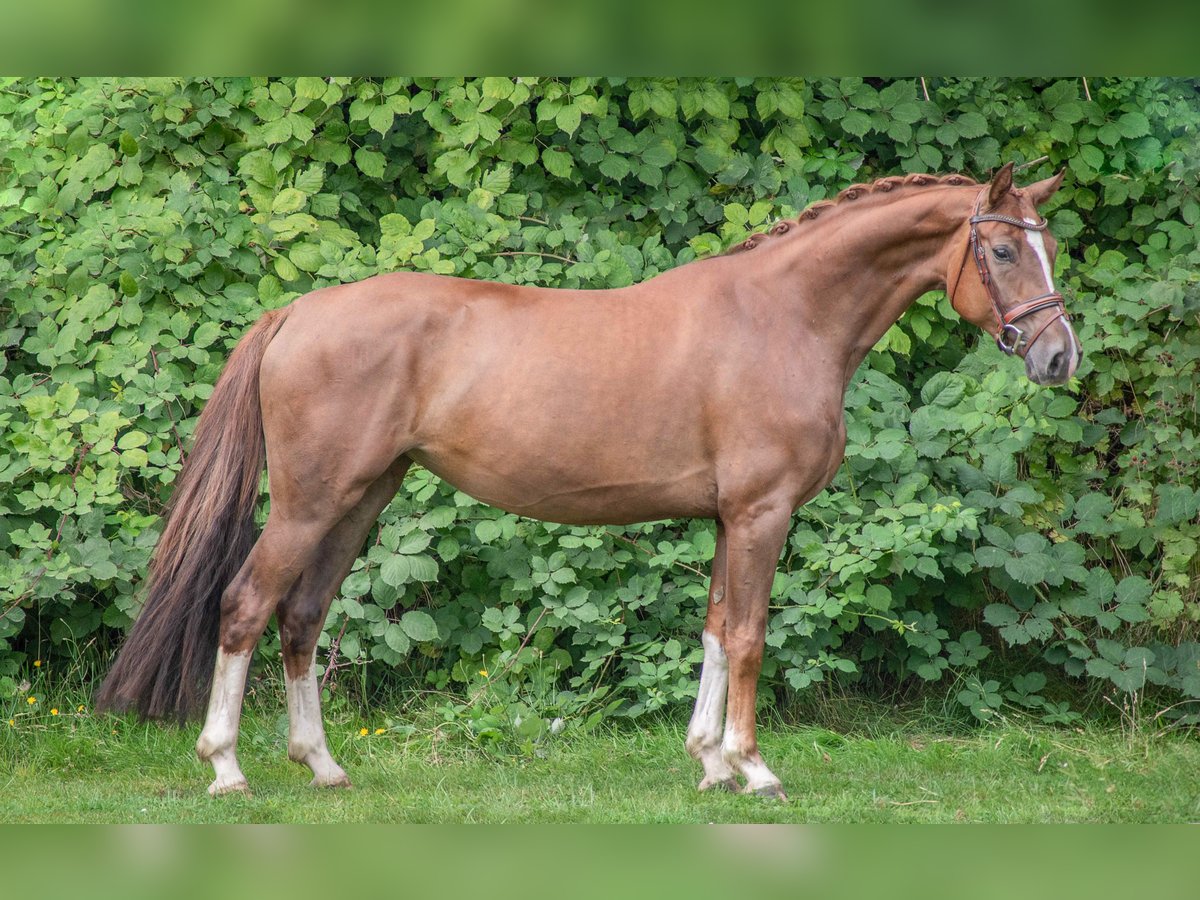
1054,359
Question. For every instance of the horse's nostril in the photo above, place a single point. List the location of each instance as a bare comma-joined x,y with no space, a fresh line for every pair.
1058,364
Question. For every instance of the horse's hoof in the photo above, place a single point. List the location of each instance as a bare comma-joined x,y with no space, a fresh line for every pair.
341,780
729,783
220,788
771,791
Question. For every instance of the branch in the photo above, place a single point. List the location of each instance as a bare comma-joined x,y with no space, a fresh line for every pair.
170,415
565,259
631,542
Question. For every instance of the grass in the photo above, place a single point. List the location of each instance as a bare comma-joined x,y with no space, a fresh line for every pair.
874,765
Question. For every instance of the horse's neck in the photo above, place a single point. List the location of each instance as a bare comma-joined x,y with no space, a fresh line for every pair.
858,270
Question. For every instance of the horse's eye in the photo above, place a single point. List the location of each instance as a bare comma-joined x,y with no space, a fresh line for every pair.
1003,254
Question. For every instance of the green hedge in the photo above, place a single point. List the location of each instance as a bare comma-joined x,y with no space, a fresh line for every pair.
980,526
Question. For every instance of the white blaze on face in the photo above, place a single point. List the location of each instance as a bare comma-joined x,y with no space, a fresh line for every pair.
1038,243
1035,240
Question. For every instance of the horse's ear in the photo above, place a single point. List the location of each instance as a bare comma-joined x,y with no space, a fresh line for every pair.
1001,184
1041,191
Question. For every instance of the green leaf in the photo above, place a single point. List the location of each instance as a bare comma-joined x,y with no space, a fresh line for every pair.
311,88
990,557
1066,223
931,156
396,638
568,119
1176,503
944,389
971,125
1092,155
419,626
370,162
396,570
1134,589
286,269
487,530
134,459
1031,569
1031,542
423,567
659,153
498,88
493,619
498,180
415,542
307,257
1133,124
1109,134
999,614
856,123
206,334
1129,680
614,166
380,119
557,162
357,584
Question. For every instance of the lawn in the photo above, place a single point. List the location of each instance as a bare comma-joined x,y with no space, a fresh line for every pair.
892,766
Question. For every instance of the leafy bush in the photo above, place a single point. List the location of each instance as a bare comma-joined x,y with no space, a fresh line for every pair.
979,527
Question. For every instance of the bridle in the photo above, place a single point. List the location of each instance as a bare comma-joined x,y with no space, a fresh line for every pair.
1010,338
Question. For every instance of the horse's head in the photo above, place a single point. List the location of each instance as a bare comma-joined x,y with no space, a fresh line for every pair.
1002,280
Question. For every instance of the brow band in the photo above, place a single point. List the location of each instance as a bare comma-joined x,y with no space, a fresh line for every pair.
1010,220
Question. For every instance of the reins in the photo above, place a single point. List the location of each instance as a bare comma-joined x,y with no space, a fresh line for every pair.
1010,338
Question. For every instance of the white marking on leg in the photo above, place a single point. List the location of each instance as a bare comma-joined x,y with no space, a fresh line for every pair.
306,736
218,739
704,730
736,750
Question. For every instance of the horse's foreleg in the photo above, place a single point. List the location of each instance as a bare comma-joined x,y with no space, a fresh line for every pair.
301,616
754,535
704,730
281,553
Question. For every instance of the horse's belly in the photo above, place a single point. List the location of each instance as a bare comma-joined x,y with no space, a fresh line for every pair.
542,490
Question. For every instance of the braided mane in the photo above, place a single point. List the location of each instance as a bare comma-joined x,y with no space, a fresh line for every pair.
854,192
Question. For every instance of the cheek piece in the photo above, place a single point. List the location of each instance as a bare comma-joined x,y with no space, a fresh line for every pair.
1010,338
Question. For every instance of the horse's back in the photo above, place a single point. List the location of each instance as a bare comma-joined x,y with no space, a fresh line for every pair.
566,405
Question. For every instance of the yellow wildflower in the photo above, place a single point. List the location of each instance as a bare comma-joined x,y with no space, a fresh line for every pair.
37,663
380,730
80,709
483,672
12,723
31,700
363,732
54,712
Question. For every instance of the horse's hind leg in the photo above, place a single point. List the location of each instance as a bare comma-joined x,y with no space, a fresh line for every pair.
301,615
283,550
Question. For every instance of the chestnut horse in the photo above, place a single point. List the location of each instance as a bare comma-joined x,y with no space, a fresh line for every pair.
715,390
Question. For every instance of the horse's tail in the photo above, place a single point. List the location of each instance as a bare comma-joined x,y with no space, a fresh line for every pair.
165,667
